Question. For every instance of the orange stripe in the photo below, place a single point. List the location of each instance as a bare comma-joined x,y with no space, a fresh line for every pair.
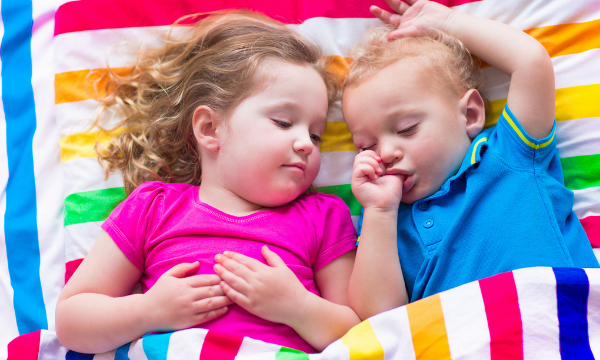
79,85
568,39
428,329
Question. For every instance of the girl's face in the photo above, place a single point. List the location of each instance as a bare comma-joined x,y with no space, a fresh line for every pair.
269,146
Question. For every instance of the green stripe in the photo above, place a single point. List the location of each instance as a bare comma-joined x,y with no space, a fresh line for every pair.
91,206
345,193
290,354
581,172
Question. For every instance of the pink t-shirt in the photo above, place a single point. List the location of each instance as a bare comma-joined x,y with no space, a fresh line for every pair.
161,225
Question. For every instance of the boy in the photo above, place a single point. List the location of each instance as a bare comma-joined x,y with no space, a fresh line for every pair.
446,202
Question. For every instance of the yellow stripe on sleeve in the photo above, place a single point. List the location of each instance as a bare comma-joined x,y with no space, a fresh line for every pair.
362,342
523,138
428,329
81,145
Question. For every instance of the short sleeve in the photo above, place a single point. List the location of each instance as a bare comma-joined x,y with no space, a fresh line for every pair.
335,231
516,147
134,219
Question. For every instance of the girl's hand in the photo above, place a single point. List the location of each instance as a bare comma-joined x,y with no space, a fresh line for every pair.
371,187
272,292
413,17
178,301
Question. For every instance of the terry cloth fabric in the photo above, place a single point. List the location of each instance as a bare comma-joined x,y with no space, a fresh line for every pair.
162,225
506,208
533,313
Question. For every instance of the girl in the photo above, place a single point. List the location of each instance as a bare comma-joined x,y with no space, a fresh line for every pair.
229,122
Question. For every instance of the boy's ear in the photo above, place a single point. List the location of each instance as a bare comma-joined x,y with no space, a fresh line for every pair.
473,108
205,122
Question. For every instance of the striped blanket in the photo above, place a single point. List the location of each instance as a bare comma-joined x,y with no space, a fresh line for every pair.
52,174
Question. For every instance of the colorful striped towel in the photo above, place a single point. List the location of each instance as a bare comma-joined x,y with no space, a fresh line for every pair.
534,313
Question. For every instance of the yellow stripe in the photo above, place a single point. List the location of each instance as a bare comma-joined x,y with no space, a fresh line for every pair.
82,145
428,329
525,140
78,85
567,39
362,342
337,137
475,149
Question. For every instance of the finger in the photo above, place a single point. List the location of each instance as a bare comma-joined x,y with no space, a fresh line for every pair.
234,295
367,153
210,315
212,303
206,292
203,280
372,162
234,266
183,270
236,282
247,261
405,32
272,258
364,170
385,16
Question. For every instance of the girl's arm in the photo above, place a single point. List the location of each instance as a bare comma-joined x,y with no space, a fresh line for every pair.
95,312
524,59
273,292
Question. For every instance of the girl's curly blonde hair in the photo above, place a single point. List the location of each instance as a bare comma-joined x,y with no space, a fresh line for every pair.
438,49
217,66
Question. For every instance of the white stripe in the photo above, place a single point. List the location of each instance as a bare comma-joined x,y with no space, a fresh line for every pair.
392,329
594,310
336,168
334,351
355,222
46,162
110,355
597,253
525,15
78,117
587,202
50,348
252,349
86,174
136,350
186,344
578,137
536,288
79,239
336,36
466,322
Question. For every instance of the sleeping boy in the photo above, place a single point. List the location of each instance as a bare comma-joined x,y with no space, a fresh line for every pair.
445,201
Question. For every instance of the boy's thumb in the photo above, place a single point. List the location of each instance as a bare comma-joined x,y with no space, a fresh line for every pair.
183,270
272,258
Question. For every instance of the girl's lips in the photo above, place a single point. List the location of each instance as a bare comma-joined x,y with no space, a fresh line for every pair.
409,182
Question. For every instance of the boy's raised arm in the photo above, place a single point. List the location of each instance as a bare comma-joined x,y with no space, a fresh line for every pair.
531,92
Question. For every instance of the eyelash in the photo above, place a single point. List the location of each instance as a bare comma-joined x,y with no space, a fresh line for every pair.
408,130
283,124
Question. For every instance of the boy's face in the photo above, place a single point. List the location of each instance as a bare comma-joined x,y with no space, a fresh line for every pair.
414,120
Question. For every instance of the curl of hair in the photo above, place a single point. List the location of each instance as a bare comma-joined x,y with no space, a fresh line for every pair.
216,66
439,49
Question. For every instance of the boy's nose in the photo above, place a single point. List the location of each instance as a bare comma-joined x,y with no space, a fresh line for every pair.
390,154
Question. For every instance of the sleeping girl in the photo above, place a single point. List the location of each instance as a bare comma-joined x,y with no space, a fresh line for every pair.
229,237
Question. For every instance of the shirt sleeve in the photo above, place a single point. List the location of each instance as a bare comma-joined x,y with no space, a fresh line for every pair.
516,147
335,230
134,219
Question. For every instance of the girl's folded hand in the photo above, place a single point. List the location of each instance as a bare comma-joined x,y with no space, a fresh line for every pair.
178,301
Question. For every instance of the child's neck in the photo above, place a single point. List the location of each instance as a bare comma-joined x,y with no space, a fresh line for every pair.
226,201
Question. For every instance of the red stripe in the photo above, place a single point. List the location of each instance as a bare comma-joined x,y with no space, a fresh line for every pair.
25,347
220,346
591,225
504,316
112,14
71,266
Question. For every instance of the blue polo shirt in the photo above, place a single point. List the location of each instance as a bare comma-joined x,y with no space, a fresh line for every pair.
506,208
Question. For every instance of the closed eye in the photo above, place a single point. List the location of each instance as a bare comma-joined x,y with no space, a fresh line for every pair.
367,148
316,138
283,124
408,130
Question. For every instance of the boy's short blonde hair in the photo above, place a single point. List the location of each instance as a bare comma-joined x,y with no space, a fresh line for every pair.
438,50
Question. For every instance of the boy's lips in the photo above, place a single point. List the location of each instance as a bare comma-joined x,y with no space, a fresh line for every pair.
409,182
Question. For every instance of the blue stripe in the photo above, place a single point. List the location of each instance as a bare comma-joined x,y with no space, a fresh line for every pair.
572,290
20,219
156,346
122,352
73,355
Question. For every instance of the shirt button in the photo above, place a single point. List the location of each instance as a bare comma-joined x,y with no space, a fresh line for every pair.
428,223
423,206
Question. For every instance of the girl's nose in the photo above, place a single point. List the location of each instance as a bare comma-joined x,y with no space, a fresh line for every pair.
304,144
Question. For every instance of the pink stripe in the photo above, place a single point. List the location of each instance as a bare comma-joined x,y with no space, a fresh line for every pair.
111,14
220,346
71,266
504,316
591,225
25,347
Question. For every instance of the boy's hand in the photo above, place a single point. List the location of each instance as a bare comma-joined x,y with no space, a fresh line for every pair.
272,292
413,18
178,301
371,187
